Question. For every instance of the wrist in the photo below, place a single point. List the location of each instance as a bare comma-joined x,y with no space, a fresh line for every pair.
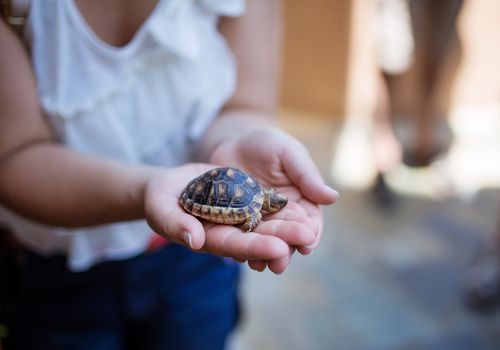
234,123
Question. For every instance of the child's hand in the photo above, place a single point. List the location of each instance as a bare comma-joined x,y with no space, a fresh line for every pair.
280,161
167,218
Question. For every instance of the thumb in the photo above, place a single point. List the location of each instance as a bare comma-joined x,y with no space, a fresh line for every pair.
304,173
168,219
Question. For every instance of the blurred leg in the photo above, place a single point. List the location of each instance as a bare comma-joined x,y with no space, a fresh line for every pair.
435,30
386,147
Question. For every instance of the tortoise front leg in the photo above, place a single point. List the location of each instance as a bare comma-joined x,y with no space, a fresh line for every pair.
251,222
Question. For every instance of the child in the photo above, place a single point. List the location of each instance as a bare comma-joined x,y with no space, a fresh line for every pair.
99,126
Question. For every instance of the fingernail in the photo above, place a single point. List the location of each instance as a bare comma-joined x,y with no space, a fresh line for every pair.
334,192
188,239
286,259
311,247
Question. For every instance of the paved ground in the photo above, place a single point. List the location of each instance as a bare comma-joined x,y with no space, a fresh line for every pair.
381,279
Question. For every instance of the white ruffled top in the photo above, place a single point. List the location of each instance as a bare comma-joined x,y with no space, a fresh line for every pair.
145,102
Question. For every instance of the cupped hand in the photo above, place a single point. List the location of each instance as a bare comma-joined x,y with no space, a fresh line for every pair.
278,160
167,218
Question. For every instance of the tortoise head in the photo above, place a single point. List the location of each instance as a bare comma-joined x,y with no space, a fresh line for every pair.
274,201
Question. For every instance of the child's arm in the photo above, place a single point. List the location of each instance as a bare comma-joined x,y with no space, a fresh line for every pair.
39,178
48,183
256,41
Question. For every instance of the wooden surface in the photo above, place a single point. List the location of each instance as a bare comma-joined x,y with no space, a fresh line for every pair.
315,52
329,61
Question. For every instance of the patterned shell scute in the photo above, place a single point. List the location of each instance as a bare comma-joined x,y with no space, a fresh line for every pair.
224,187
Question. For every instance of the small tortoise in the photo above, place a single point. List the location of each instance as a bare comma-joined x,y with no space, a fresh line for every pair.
230,196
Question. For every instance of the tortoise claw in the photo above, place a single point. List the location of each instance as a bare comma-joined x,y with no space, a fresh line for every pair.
251,222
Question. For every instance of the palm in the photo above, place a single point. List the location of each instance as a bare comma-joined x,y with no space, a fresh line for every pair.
260,154
276,160
167,218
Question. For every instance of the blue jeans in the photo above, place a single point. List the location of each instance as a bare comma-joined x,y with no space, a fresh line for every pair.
169,299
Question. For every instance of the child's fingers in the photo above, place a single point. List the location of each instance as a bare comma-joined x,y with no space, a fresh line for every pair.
291,224
230,241
279,266
291,232
168,219
316,214
257,265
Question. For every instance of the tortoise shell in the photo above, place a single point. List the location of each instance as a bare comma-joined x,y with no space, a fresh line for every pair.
223,195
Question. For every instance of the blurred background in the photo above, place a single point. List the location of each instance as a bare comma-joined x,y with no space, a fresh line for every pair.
399,103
